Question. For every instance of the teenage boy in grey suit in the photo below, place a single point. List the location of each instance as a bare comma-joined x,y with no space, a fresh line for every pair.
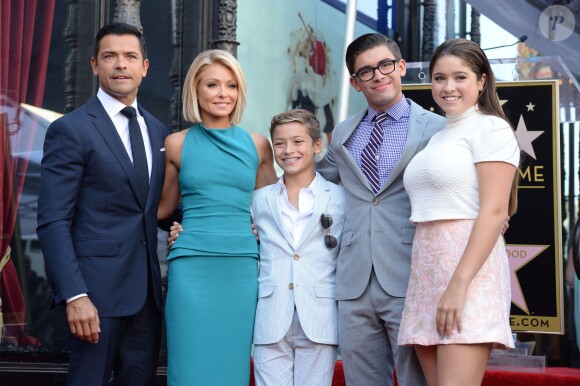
374,261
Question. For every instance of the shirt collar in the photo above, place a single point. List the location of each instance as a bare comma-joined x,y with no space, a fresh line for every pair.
312,187
111,105
395,112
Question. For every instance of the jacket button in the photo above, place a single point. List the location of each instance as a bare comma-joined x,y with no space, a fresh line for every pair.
291,286
375,201
296,257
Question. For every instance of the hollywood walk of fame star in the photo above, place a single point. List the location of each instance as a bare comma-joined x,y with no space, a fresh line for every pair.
520,255
526,137
501,101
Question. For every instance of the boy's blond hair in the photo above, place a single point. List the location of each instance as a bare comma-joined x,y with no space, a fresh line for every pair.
302,116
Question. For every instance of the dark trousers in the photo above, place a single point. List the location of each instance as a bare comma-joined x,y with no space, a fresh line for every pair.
127,353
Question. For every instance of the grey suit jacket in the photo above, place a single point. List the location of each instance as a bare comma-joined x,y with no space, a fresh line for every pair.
377,231
298,275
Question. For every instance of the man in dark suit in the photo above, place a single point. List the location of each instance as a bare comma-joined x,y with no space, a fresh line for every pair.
101,179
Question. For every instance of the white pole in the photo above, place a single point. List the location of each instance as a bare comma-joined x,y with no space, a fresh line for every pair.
344,82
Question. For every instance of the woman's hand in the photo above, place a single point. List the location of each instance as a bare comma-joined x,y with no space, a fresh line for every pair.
174,232
255,232
450,310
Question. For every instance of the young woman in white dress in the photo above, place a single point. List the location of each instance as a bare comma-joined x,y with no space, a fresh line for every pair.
462,188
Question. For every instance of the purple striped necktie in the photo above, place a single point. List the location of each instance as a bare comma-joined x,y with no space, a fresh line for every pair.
370,154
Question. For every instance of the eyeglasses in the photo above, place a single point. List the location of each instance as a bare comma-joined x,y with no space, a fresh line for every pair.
368,73
329,240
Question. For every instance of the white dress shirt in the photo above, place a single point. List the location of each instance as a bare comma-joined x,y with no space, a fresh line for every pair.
113,108
295,219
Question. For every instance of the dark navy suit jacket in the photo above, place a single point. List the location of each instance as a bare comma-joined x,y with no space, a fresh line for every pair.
96,235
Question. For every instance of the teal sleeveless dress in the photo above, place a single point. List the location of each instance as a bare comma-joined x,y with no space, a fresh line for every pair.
213,265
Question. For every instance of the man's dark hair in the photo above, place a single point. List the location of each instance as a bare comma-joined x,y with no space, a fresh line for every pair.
119,29
366,42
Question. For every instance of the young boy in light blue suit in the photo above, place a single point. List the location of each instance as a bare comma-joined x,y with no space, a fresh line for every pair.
299,222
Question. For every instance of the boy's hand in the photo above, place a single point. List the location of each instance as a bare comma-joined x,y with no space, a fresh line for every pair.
174,232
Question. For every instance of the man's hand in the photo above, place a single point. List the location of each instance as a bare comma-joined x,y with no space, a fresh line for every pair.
174,232
83,319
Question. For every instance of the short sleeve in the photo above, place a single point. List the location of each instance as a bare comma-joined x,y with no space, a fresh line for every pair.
495,141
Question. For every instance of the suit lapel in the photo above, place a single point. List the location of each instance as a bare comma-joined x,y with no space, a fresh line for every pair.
106,128
272,199
321,198
156,163
352,124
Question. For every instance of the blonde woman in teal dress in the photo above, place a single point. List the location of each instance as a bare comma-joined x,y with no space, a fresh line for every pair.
213,167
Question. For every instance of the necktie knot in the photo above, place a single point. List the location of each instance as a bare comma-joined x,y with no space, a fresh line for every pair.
381,117
129,112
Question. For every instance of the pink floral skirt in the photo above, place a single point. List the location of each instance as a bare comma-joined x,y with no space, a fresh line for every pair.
437,249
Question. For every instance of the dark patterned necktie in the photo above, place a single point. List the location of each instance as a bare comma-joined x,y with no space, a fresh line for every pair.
138,150
370,154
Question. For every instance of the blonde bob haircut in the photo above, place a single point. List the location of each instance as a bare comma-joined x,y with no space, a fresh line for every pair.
191,111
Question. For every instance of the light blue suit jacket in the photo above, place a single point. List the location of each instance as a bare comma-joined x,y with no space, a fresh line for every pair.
301,275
